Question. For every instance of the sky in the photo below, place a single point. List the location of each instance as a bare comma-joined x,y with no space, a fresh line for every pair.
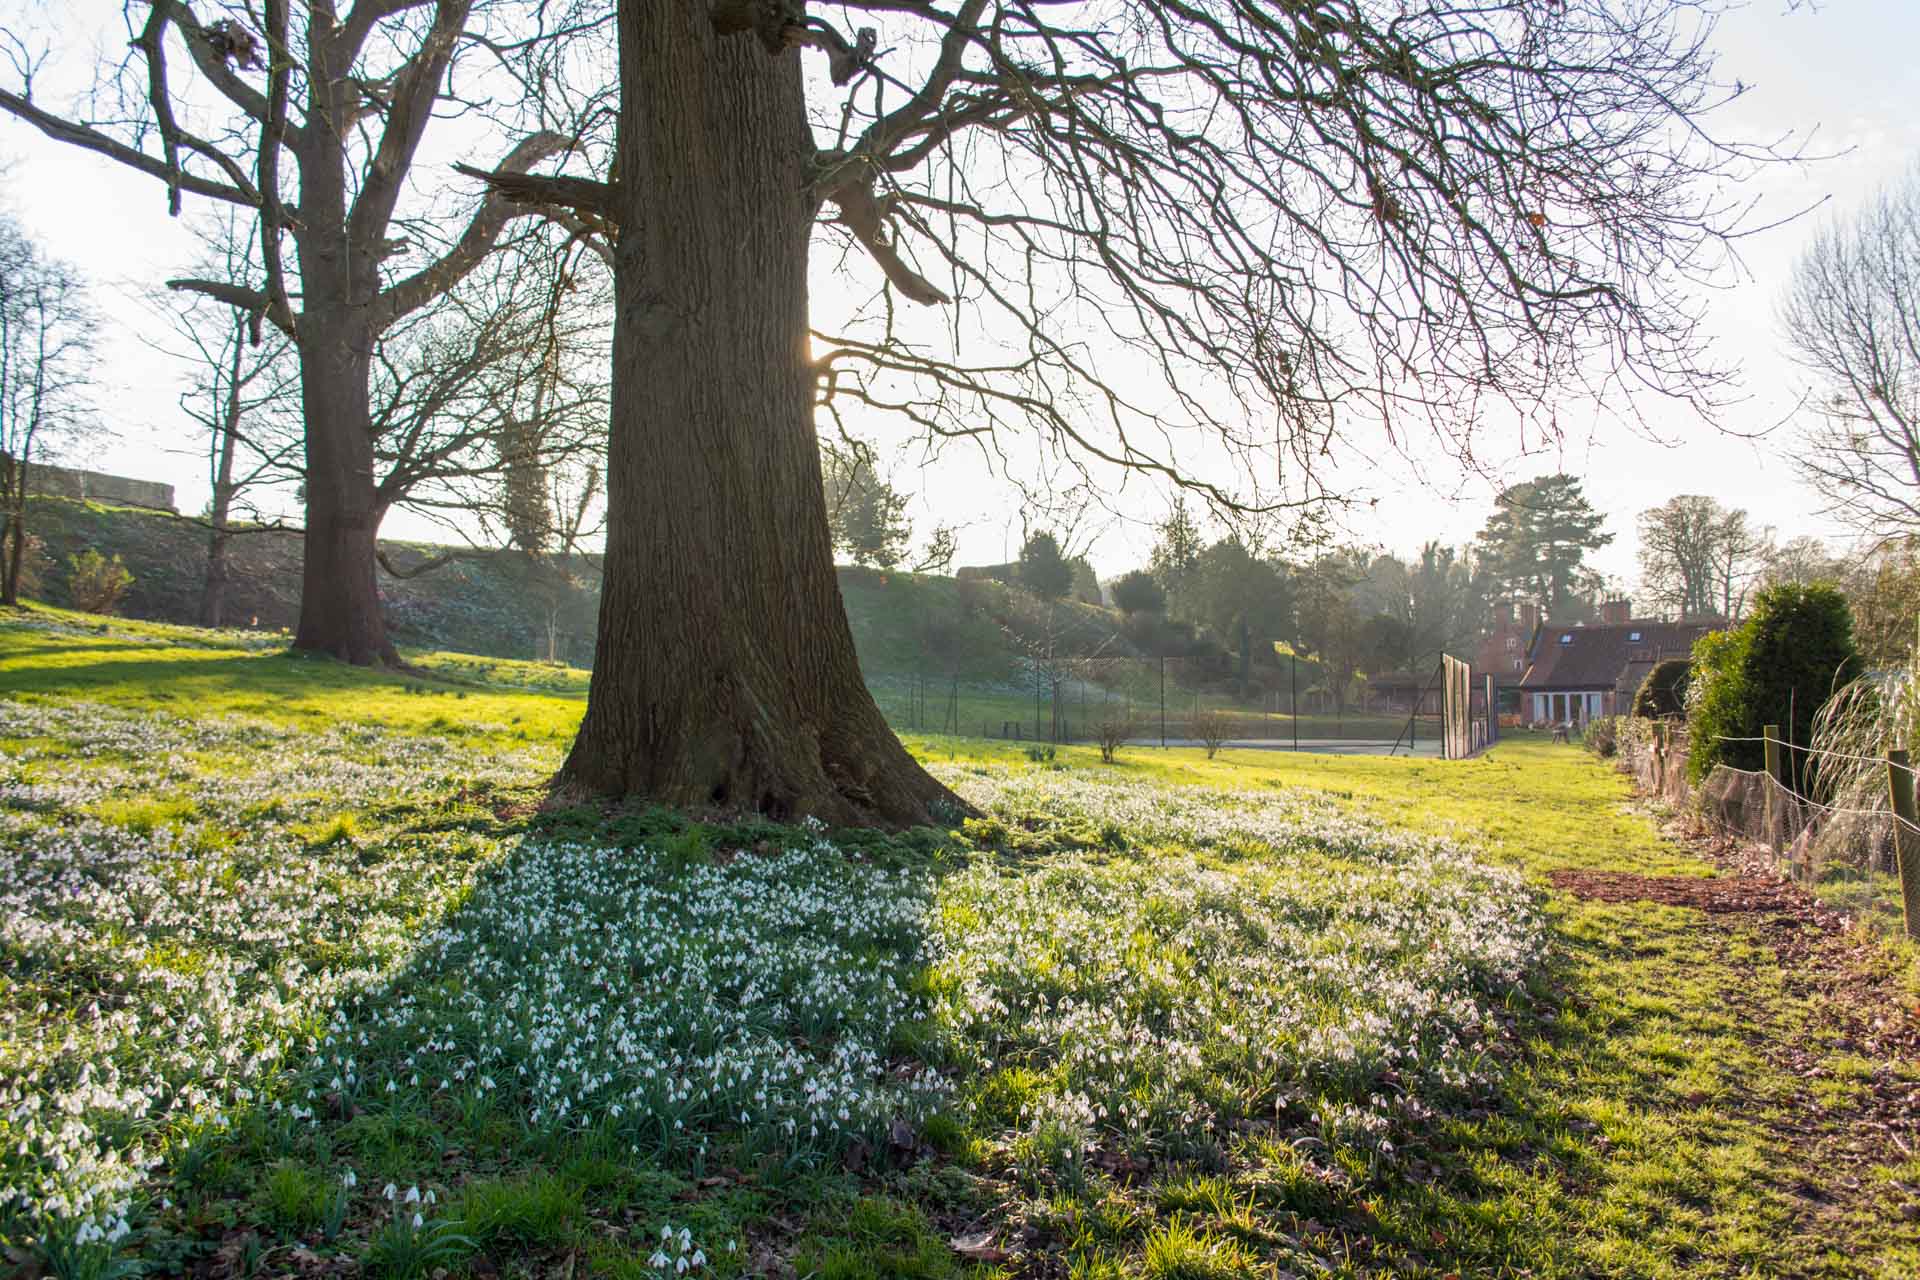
1838,74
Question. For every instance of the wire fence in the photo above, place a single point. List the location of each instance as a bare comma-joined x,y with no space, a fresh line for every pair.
1178,700
1870,829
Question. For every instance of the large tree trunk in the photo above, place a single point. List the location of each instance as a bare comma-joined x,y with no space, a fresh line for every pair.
340,612
726,673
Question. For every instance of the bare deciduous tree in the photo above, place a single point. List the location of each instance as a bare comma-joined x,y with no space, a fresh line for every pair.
1260,220
311,123
1852,319
1210,727
489,407
46,375
1698,558
1114,730
245,398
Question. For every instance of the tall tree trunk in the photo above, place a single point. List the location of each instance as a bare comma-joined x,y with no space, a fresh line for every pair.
13,489
726,672
213,594
13,547
340,611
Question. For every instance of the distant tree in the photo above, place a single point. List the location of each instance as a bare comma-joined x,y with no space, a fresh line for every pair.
1452,598
866,516
1211,727
1086,582
1664,692
245,398
1138,591
1113,730
1328,626
1175,559
95,583
1043,569
1537,540
1699,558
1883,590
1778,667
1803,560
1849,319
489,404
46,376
1387,643
1245,600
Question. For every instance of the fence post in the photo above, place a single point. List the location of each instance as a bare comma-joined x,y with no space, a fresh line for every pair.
1771,734
1906,838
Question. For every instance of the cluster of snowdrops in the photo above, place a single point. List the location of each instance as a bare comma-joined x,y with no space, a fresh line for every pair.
1095,964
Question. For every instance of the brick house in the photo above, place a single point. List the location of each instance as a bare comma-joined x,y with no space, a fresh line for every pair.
1579,673
1502,653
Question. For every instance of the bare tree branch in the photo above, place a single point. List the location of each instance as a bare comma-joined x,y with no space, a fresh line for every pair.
92,139
495,212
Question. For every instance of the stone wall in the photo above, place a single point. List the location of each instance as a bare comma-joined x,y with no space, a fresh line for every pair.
96,486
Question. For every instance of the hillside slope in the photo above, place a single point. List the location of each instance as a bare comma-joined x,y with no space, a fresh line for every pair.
497,604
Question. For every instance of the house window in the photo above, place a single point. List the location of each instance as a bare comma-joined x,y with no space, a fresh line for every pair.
1513,642
1566,637
1634,636
1516,664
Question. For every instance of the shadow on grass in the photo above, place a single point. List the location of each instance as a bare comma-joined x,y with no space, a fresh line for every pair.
1497,1180
523,1189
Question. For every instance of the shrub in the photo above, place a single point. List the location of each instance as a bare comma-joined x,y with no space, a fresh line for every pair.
96,584
1779,667
1664,692
1113,732
1138,592
1213,727
1603,737
1044,569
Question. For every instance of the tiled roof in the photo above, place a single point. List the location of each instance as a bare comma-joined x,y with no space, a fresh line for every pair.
1595,657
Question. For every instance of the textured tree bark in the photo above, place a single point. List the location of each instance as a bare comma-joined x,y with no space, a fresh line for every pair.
213,592
726,673
340,613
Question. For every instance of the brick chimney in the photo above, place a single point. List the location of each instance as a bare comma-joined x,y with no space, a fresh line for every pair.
1615,612
1529,616
1503,614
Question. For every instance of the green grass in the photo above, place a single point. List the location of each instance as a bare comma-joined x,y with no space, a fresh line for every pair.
1641,1121
159,667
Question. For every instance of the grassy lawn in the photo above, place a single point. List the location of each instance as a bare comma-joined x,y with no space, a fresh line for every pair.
299,974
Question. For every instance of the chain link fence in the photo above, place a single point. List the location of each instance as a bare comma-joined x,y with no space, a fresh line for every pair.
1178,700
